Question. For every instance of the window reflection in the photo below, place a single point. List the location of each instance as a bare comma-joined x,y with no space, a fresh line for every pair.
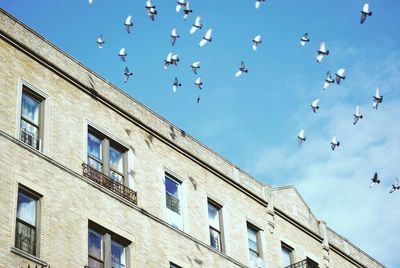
117,255
26,209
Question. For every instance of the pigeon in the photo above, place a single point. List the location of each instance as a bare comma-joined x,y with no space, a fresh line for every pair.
100,41
365,12
304,39
334,143
168,61
176,84
198,99
196,25
195,65
395,186
328,80
374,180
122,54
175,59
187,11
128,23
242,70
256,42
127,74
322,52
357,115
340,75
314,105
258,3
180,4
301,137
174,36
206,38
151,9
198,83
377,99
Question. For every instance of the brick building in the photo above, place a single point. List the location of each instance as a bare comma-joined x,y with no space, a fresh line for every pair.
77,191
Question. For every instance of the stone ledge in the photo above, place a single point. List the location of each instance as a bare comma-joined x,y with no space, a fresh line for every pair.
29,256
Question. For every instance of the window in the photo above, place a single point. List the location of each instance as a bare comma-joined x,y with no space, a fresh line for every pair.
252,236
173,265
106,156
106,249
214,220
287,255
172,194
26,229
31,118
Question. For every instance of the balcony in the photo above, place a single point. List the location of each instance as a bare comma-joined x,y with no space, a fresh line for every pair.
307,263
109,183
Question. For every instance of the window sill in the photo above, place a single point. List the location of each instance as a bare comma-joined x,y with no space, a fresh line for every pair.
28,256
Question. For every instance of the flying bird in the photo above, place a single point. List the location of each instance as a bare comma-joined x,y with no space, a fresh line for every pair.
258,3
334,143
187,11
357,115
196,25
122,54
128,23
179,5
242,70
198,99
340,75
198,83
395,186
151,9
322,52
314,105
174,36
100,42
377,99
168,61
176,84
301,137
328,80
206,38
365,12
175,59
374,180
256,42
127,73
195,65
304,39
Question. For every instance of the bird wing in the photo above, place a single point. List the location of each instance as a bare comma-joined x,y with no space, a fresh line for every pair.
301,134
396,182
187,6
197,21
128,20
202,42
340,72
169,57
173,32
358,110
334,140
315,103
122,51
303,43
126,70
193,30
242,66
238,73
196,64
148,4
90,2
365,8
363,17
305,36
320,57
198,81
326,85
377,93
174,57
257,39
258,3
100,39
322,47
208,34
254,46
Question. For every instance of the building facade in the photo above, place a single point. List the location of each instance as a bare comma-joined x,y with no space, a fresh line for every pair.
89,177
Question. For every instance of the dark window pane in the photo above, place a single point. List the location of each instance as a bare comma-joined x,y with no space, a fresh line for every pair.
214,239
29,134
26,209
25,237
171,187
95,263
213,216
30,109
94,147
117,255
95,245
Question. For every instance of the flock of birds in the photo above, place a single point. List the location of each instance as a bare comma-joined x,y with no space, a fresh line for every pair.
172,59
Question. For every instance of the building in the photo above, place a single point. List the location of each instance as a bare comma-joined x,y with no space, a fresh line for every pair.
77,191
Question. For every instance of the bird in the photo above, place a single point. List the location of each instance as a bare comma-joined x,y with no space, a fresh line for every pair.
122,54
301,137
395,186
242,70
196,25
168,61
322,52
176,84
365,12
151,9
175,59
128,23
357,115
328,80
256,42
127,73
174,36
187,11
206,38
340,75
100,42
180,4
198,83
314,105
304,39
334,143
374,180
258,3
377,99
198,99
195,65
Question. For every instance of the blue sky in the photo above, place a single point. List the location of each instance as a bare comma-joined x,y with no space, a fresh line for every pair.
254,120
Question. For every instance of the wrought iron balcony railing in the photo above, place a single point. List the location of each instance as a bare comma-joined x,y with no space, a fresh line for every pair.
109,183
307,263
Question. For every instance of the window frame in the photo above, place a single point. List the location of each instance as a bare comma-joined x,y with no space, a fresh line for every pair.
257,230
179,190
173,265
220,232
290,251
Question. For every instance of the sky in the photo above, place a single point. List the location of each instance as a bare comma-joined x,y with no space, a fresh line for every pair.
254,120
